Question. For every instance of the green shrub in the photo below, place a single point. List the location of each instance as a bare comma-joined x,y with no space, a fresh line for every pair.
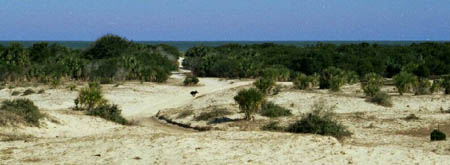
437,135
332,78
190,80
446,84
405,81
272,110
249,101
72,87
265,85
319,121
28,92
423,87
108,112
303,81
204,116
90,97
351,77
371,84
381,98
24,108
41,91
272,126
276,73
15,93
436,86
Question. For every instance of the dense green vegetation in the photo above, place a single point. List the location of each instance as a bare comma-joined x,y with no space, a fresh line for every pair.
108,59
250,101
234,60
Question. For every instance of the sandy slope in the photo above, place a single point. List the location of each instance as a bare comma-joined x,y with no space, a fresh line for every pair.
381,136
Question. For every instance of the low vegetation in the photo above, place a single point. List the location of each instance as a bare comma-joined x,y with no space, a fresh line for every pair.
371,84
381,98
28,92
303,81
269,109
191,80
273,126
19,111
250,101
15,93
320,121
185,114
89,97
405,82
108,112
215,113
332,78
265,85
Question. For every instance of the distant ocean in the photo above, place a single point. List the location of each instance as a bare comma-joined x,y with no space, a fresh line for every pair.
185,45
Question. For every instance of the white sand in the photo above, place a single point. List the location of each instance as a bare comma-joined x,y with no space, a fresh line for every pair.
380,136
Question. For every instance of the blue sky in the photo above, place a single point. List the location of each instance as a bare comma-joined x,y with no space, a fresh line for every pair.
172,20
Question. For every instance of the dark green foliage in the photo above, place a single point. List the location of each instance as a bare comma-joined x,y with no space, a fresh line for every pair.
41,91
272,110
276,73
108,112
265,85
272,126
215,113
303,81
423,87
108,46
15,93
319,121
437,135
371,84
28,92
446,84
110,58
381,98
422,59
24,108
405,82
249,101
332,78
436,86
190,80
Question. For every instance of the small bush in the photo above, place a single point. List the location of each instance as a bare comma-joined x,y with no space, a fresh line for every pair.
381,98
436,86
204,116
15,93
265,85
423,87
446,85
272,126
303,81
23,108
72,87
191,80
249,101
371,84
437,135
108,112
272,110
319,121
411,117
41,91
90,97
28,92
332,78
405,81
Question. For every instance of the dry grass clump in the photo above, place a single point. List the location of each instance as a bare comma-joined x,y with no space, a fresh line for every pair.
19,111
215,113
381,98
185,114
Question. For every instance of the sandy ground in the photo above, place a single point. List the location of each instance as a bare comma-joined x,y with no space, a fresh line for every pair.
380,135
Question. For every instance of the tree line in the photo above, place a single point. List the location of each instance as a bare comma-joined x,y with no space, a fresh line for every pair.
110,58
425,60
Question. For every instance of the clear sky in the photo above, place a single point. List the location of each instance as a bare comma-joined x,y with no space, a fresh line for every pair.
170,20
